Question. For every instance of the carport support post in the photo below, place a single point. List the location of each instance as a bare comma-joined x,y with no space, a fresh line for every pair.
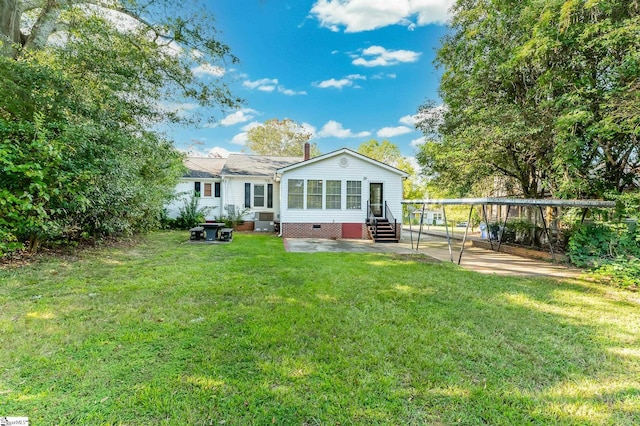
504,226
584,214
410,228
486,222
446,227
421,222
546,231
466,230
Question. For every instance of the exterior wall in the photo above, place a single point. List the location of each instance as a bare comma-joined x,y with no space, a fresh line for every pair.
186,187
233,194
334,168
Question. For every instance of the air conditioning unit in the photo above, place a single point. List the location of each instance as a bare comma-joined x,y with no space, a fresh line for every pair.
264,216
263,222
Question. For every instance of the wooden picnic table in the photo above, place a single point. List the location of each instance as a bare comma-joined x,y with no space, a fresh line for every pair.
212,230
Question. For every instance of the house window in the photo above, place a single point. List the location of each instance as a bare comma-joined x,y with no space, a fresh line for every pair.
295,199
196,188
334,195
216,189
314,194
258,195
207,190
354,194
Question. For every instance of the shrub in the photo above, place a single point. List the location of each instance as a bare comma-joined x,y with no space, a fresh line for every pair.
190,214
611,250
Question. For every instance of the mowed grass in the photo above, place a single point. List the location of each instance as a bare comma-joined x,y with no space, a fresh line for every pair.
167,332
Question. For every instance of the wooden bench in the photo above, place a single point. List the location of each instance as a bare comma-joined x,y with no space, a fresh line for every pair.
197,233
226,234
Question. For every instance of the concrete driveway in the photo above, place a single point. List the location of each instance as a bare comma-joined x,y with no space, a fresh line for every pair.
473,258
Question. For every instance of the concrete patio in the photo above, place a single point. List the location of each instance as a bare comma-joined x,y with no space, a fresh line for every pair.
476,259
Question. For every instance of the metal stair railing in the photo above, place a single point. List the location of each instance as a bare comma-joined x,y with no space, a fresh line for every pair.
372,220
390,217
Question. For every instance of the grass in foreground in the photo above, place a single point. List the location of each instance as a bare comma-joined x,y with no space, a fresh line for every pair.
167,332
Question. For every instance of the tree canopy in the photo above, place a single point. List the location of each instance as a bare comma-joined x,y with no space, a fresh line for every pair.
148,52
389,153
83,83
542,94
280,138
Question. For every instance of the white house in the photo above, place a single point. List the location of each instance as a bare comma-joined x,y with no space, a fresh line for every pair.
431,217
338,195
202,177
342,194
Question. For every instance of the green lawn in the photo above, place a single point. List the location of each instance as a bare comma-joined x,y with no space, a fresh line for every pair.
166,332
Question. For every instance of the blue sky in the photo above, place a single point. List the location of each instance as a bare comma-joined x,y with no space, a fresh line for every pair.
348,70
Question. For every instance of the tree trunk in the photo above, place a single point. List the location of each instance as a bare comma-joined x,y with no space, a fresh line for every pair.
44,26
9,27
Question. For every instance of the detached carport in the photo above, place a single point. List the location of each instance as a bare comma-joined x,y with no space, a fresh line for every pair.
585,205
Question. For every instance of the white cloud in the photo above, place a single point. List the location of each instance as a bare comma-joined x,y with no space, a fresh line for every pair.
347,81
218,152
334,129
408,120
240,139
215,152
290,92
241,116
264,82
417,142
250,126
270,85
338,84
208,69
364,15
378,56
389,132
308,128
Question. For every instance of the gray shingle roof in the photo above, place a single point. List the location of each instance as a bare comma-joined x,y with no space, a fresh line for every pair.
255,165
203,167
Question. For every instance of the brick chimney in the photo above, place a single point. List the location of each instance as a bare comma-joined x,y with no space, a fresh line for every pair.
307,151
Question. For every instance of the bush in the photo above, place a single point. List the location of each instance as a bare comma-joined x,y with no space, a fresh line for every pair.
611,250
190,214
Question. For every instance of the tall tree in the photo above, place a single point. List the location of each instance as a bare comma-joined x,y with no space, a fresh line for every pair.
147,51
280,138
83,81
389,153
539,93
385,151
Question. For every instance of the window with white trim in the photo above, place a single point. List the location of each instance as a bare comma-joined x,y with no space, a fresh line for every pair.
314,194
258,195
295,197
354,194
333,195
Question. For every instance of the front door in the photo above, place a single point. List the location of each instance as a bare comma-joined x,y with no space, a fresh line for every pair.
376,199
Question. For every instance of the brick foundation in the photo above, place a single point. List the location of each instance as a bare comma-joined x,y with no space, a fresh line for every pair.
317,230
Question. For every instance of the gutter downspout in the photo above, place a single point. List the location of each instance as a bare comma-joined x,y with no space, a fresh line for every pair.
277,178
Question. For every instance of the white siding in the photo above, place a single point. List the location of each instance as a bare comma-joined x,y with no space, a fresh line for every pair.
233,194
185,188
331,169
